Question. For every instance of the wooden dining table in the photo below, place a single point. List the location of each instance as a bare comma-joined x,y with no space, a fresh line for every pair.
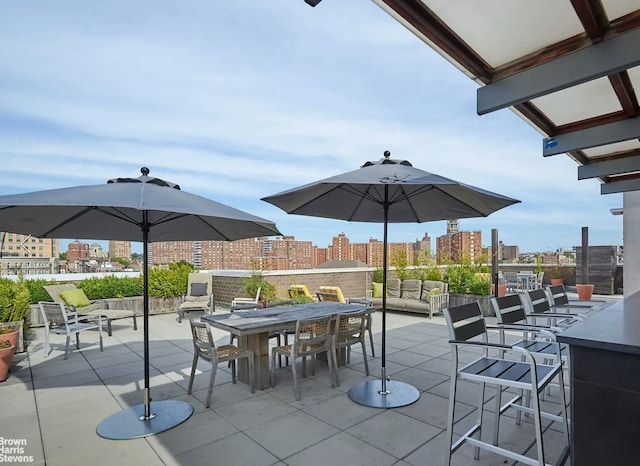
254,326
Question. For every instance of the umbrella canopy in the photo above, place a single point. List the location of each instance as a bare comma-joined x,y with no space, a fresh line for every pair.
413,195
388,191
120,208
142,209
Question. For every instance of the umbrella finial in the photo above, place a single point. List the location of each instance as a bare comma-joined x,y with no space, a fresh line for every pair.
144,171
387,154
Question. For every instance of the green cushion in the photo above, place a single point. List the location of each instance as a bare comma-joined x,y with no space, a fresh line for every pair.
377,290
435,291
75,298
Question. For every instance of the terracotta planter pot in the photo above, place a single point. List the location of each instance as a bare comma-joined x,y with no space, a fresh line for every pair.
12,337
6,358
584,291
557,281
502,290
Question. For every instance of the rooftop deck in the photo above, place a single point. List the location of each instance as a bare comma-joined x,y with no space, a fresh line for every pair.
55,405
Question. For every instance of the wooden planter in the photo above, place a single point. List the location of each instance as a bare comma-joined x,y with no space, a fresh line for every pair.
456,299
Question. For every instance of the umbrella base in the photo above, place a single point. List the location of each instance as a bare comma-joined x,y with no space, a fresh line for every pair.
398,394
126,424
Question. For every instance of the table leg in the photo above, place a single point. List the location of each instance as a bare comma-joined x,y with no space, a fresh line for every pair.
259,345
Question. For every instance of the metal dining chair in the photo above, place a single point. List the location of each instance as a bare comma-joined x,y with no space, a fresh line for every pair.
349,329
205,348
468,331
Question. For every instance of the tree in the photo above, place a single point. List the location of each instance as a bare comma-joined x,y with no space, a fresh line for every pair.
62,256
121,260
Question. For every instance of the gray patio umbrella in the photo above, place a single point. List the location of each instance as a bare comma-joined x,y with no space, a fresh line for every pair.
388,191
142,209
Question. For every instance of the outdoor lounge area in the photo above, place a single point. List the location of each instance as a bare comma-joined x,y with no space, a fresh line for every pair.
53,405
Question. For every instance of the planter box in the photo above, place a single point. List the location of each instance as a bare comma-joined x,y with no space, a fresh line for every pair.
133,303
456,299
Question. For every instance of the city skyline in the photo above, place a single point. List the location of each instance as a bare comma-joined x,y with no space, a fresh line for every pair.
239,100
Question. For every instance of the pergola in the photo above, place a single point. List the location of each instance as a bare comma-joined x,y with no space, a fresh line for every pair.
568,68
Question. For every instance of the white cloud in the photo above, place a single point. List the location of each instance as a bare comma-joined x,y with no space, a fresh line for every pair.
239,100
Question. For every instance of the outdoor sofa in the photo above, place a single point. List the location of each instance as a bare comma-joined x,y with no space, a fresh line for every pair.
426,297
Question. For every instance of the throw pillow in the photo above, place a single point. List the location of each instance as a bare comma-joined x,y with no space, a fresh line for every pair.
198,289
435,291
75,298
377,290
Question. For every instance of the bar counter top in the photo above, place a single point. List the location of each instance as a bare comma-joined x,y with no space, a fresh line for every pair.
615,328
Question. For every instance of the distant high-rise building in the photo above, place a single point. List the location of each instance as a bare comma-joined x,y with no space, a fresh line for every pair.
452,227
17,245
120,249
457,246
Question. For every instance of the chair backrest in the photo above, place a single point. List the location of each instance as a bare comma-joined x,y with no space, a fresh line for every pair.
350,323
55,290
53,313
509,309
557,294
466,322
540,278
537,301
299,290
311,334
203,343
195,282
328,296
335,290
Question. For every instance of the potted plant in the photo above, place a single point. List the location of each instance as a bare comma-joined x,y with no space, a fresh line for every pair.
556,276
14,309
256,281
6,358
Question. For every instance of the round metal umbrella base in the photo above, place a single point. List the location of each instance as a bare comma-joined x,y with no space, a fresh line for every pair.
126,424
397,394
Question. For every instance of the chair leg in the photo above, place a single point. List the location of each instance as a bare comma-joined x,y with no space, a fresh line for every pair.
109,327
296,391
100,333
364,356
452,406
135,322
212,379
180,315
66,346
77,340
46,341
373,351
193,373
272,379
233,371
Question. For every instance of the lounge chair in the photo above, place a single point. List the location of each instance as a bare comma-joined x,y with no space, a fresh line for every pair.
73,297
199,295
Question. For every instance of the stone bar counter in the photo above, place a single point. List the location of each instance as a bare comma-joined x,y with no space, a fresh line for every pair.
605,385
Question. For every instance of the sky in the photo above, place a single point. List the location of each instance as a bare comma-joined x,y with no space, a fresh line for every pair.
238,100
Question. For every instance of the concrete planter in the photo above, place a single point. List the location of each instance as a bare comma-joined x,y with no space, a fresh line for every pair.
456,299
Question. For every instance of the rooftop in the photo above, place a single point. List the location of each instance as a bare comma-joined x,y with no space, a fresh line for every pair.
55,405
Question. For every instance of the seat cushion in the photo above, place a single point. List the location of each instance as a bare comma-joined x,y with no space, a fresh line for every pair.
410,289
429,285
198,289
75,298
393,287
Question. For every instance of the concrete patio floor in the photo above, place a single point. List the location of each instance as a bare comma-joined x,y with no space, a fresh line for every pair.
53,406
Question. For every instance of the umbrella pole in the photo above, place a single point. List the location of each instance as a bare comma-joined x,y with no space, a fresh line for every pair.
138,421
385,393
385,248
145,309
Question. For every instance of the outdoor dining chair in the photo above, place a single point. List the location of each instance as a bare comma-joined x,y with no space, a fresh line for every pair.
205,348
559,298
199,296
369,321
537,305
57,320
244,300
312,337
349,330
468,331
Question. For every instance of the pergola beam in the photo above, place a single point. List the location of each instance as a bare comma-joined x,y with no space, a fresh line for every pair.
609,167
605,58
592,137
620,186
